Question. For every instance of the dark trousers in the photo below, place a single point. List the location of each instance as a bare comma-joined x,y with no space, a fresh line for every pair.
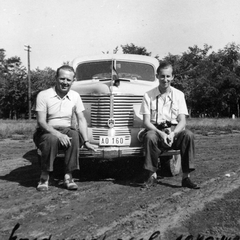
183,141
49,146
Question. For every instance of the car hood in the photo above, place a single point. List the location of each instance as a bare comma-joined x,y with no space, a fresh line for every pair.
95,87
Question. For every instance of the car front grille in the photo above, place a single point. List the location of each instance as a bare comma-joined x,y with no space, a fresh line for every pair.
123,112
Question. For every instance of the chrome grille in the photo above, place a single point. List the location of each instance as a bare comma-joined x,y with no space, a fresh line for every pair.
123,109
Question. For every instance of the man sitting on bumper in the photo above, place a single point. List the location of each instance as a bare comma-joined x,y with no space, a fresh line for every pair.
55,108
161,104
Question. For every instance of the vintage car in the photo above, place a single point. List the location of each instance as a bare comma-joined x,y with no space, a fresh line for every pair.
112,88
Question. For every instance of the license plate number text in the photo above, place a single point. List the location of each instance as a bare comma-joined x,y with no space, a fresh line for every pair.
111,141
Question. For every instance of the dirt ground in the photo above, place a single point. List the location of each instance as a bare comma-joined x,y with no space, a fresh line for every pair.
108,205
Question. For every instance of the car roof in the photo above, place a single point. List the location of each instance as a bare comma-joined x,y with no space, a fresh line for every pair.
129,57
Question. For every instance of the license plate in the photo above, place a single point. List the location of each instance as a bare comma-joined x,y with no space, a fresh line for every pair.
112,141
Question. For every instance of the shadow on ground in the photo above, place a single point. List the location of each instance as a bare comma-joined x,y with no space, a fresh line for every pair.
26,175
120,171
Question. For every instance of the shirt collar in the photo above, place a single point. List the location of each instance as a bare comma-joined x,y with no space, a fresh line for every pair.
55,94
170,95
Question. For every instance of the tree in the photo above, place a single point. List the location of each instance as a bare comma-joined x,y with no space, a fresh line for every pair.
188,74
3,69
14,85
13,98
115,50
227,74
133,49
41,79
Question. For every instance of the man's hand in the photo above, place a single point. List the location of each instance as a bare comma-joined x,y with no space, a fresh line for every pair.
89,146
170,138
165,138
64,140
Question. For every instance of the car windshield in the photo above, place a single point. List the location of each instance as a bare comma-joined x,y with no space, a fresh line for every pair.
101,70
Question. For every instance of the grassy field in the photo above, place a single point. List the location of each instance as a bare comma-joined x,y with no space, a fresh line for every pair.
17,128
213,125
25,128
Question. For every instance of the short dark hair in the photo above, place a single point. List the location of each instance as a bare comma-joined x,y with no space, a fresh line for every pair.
164,64
65,67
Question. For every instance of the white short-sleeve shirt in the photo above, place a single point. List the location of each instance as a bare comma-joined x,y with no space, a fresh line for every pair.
59,110
161,110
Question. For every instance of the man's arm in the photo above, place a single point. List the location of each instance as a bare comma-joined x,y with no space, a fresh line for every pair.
180,126
82,124
63,138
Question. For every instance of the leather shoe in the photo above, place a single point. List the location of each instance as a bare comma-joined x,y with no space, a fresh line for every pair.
70,184
42,185
150,182
186,182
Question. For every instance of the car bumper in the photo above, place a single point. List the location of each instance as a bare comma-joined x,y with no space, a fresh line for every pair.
118,152
113,152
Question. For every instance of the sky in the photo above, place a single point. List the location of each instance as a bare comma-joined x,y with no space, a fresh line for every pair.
61,30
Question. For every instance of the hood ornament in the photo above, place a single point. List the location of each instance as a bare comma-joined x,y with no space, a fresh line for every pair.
111,122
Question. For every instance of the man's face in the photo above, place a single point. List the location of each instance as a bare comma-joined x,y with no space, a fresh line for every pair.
64,81
165,77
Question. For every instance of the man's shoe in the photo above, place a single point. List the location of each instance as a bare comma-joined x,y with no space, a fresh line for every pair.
42,185
186,182
70,184
150,182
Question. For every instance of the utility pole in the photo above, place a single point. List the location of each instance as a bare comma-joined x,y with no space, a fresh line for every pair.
29,82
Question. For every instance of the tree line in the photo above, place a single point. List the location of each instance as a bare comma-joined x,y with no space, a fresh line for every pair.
14,86
209,79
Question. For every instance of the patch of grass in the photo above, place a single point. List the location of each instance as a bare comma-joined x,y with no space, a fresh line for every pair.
8,128
216,125
204,126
